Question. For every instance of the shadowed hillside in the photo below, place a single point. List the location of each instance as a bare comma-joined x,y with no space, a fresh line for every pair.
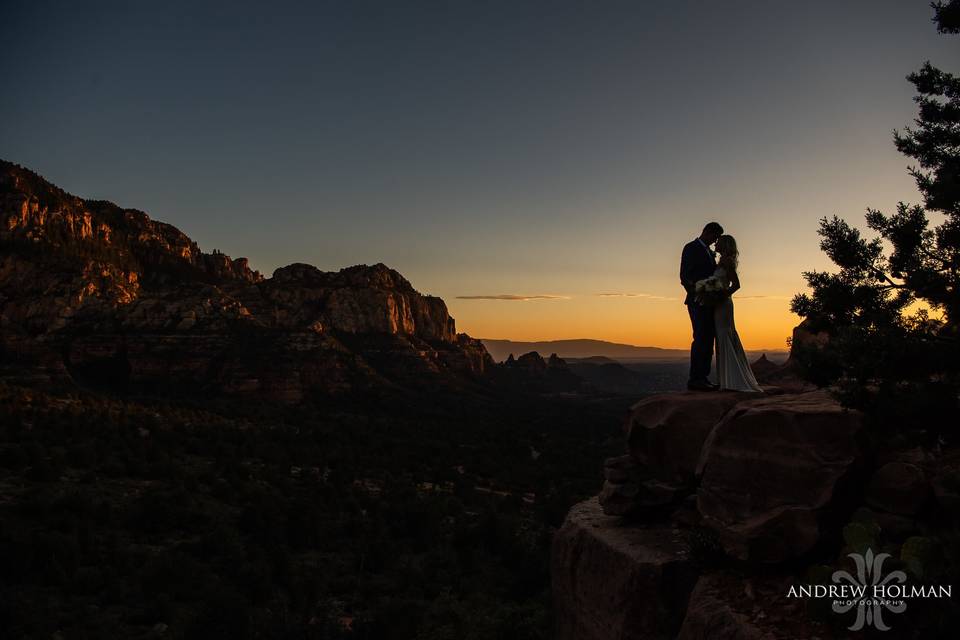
191,450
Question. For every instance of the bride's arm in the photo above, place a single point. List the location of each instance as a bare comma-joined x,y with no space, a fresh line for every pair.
734,283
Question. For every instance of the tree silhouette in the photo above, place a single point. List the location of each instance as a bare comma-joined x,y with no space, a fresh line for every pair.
892,309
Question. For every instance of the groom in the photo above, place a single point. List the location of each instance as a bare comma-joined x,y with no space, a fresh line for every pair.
698,262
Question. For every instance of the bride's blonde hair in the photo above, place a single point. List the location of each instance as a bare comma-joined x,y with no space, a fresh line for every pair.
727,248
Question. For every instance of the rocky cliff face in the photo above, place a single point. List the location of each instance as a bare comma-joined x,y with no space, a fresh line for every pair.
724,500
107,296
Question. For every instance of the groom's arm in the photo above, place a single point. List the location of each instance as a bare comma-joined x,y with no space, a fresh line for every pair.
686,268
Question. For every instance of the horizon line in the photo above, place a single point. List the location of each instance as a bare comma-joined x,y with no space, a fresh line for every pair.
624,344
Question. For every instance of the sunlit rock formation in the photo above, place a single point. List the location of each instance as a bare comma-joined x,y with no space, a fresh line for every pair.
106,296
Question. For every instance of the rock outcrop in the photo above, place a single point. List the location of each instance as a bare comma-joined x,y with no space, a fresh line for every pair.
805,336
803,446
772,469
900,488
763,367
731,607
664,434
106,296
757,480
945,482
531,372
628,488
618,582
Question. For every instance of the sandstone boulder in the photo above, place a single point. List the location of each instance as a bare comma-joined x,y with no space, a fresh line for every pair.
665,432
631,497
806,337
899,488
621,469
627,488
729,607
946,487
772,469
614,581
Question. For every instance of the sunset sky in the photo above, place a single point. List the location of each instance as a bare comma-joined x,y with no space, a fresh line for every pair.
538,165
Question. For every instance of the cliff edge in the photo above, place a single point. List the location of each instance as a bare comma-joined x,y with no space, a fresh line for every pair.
722,501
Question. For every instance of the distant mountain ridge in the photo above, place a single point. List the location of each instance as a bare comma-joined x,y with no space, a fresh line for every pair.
580,348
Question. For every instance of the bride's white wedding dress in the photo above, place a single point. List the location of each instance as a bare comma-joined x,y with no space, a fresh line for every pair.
733,370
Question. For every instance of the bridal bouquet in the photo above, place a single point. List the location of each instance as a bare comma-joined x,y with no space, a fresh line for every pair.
709,291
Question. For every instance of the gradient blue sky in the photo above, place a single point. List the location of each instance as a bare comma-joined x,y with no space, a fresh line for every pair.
561,149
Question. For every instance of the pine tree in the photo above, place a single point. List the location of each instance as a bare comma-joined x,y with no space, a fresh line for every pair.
893,315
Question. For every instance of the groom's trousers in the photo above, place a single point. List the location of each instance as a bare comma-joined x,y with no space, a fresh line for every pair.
704,333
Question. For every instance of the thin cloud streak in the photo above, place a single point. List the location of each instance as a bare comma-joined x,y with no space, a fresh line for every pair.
647,296
514,297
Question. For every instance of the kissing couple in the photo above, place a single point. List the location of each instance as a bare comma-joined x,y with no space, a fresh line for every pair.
710,285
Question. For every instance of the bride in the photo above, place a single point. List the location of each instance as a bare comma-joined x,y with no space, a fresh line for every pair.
733,370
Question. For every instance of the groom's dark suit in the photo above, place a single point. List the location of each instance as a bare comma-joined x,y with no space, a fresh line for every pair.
698,263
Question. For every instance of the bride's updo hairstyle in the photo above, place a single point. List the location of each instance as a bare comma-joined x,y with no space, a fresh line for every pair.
727,248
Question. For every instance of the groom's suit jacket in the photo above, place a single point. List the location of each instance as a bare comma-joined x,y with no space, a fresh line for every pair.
696,263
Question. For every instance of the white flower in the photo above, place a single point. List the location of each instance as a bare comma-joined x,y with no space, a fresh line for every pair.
709,291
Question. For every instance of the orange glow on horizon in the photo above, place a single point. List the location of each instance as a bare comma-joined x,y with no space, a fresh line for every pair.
762,323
